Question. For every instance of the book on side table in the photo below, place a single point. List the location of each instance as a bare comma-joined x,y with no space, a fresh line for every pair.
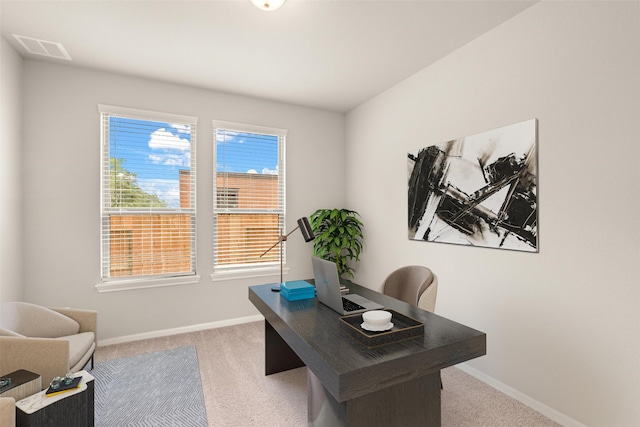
64,387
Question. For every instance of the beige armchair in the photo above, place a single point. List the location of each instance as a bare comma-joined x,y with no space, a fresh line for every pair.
47,341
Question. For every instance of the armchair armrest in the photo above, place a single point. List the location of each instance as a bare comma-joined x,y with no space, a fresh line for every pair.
88,319
7,412
48,357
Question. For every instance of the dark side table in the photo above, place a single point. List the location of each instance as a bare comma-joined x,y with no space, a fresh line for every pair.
23,383
73,408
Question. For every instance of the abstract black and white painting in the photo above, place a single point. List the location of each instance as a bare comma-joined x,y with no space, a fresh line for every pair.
480,190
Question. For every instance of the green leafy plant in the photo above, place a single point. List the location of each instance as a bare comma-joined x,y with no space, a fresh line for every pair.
125,191
338,237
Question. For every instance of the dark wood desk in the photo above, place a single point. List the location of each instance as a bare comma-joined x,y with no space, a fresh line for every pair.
349,384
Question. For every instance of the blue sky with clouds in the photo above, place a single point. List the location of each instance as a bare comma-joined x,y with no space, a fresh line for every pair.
246,152
157,151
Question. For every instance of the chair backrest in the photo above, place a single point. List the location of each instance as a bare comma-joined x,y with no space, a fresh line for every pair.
409,283
31,320
427,300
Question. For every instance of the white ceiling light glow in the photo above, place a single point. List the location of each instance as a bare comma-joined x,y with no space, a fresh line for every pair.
268,5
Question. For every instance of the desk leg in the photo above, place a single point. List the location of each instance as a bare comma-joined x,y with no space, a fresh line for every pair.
413,403
278,355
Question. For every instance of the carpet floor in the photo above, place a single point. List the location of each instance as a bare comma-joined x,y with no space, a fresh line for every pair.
237,393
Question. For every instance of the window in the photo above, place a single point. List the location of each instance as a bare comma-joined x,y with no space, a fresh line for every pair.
249,202
148,194
227,197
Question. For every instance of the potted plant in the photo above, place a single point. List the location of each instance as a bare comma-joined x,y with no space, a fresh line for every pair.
338,237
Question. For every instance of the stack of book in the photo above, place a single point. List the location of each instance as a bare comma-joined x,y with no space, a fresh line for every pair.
64,387
297,290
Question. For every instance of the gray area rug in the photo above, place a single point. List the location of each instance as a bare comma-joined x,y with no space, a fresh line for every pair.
154,389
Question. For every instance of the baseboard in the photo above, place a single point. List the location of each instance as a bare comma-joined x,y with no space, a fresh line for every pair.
545,410
181,330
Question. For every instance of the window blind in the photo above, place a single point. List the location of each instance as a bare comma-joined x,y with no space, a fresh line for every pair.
249,199
148,193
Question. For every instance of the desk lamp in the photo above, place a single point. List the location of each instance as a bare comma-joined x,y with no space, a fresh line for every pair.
307,233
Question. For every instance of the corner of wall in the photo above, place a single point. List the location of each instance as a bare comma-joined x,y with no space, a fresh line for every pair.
11,86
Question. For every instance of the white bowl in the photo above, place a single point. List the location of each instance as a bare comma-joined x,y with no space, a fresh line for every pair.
376,318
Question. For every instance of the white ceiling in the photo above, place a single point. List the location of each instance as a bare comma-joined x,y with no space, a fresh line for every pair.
328,54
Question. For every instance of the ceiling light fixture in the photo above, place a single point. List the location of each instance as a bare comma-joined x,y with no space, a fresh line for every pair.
268,5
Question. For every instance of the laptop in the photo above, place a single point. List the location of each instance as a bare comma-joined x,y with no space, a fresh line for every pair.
328,290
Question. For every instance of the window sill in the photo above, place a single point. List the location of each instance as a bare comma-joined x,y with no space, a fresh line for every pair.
130,284
235,274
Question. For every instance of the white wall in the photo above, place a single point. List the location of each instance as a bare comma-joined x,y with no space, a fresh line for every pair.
563,326
11,84
61,187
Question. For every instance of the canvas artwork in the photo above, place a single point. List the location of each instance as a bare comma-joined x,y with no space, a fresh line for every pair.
480,190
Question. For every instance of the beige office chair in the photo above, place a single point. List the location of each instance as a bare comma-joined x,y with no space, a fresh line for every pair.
413,284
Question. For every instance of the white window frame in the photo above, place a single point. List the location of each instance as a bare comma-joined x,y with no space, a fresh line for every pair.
224,273
108,284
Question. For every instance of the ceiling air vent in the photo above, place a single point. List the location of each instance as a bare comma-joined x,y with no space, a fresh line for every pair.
43,47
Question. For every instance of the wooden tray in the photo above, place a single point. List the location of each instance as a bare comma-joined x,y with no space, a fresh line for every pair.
404,327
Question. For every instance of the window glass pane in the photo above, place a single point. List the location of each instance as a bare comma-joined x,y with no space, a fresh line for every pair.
245,152
144,245
146,160
148,195
249,197
242,238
